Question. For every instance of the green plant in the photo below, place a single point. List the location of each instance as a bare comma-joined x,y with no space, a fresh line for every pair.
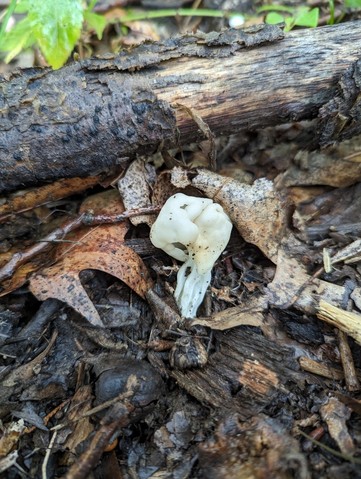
291,16
331,7
55,26
304,16
352,3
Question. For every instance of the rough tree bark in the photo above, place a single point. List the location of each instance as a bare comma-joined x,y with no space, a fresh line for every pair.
86,117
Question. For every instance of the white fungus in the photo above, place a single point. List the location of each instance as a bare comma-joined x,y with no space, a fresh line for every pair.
195,231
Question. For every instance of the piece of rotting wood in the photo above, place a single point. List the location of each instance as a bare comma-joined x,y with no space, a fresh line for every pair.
87,117
320,369
346,321
246,373
352,382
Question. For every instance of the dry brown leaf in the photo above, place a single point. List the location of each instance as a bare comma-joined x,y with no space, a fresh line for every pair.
30,199
170,182
101,247
250,313
292,284
254,448
305,194
208,147
338,166
335,414
256,211
21,275
10,437
139,32
163,189
80,404
135,188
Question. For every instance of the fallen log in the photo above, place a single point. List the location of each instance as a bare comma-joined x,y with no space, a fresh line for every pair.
88,116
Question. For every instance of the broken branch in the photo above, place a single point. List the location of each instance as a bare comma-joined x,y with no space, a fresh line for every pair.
87,117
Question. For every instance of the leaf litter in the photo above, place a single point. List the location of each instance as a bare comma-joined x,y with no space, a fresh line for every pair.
274,370
260,221
261,216
101,247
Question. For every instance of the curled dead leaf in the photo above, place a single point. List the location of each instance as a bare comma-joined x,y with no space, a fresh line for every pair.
135,188
249,313
19,277
257,211
29,199
293,286
101,247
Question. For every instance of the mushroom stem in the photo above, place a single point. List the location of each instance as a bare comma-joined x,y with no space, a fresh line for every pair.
191,288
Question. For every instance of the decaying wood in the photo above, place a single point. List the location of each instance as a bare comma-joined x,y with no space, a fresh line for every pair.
347,321
351,379
87,117
113,421
245,375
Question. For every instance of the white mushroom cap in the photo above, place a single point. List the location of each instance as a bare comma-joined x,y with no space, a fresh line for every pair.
175,224
214,231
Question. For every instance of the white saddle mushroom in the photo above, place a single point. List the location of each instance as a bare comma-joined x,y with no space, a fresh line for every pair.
195,231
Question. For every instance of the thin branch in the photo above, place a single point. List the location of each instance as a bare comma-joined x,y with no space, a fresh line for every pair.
84,219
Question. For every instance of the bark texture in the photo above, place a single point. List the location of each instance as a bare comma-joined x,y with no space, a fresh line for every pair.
246,374
86,117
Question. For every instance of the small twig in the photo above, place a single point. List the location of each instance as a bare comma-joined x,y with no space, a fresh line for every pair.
296,296
20,258
84,219
345,457
204,128
115,419
47,455
106,404
49,416
95,410
348,365
93,220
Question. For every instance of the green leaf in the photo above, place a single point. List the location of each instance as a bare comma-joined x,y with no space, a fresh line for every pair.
6,18
273,18
290,23
275,8
22,6
91,5
96,22
331,7
17,39
56,27
307,18
353,3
